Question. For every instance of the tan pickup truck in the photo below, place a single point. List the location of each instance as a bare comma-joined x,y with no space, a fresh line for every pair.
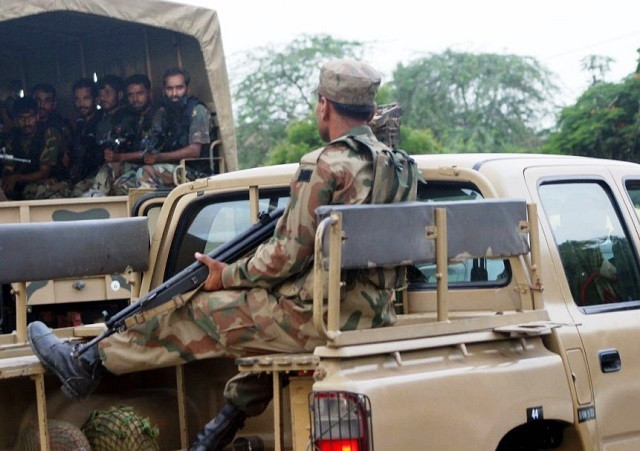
518,328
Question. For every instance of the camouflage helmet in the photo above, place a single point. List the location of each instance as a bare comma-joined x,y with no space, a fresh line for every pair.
63,436
349,82
120,428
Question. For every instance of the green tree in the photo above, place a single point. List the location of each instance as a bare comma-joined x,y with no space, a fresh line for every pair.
476,102
302,137
603,123
418,141
277,87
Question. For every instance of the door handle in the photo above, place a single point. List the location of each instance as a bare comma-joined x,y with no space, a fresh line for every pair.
609,360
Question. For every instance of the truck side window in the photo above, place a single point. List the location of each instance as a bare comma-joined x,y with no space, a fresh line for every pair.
598,259
472,272
633,189
214,220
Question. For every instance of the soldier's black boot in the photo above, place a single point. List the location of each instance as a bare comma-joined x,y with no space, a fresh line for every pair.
79,375
220,431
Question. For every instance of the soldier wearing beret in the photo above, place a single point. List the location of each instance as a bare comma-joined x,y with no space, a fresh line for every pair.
263,303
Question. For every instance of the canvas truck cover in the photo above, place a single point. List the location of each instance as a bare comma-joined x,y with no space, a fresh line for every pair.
60,41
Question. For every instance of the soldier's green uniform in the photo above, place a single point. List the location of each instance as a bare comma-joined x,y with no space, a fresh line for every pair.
144,130
45,146
179,129
119,123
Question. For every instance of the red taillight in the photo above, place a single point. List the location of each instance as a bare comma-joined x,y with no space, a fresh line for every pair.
338,445
341,421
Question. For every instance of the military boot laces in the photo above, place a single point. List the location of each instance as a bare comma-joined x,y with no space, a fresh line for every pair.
220,431
79,376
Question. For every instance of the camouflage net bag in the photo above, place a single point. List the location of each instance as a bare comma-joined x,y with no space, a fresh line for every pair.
63,436
120,428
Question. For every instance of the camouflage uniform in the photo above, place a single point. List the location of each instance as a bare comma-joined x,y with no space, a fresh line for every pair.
266,303
86,158
45,147
118,123
179,129
144,130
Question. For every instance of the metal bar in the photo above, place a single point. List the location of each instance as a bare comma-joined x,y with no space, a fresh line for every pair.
534,244
182,407
277,413
318,278
441,264
20,290
335,266
254,200
41,401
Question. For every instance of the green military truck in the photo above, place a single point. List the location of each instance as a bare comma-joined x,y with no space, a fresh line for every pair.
517,330
59,42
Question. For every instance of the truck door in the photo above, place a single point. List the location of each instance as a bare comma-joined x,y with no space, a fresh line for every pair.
595,259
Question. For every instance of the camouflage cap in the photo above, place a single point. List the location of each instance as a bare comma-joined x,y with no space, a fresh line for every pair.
349,82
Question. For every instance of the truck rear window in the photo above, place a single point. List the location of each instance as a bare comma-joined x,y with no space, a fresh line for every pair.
470,273
215,220
597,256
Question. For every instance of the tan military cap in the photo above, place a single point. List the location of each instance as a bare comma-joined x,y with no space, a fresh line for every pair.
349,82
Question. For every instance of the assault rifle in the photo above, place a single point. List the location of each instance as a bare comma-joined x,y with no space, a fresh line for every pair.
4,156
150,144
119,143
386,124
191,277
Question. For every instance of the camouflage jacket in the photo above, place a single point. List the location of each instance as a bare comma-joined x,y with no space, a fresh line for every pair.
45,147
179,128
340,173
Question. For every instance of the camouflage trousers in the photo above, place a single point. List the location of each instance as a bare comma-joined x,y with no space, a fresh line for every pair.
146,176
228,323
46,189
103,181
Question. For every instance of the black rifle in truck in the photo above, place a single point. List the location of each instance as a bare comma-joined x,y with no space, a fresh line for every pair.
191,277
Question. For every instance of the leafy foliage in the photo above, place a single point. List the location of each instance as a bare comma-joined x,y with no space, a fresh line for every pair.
277,88
475,102
302,137
603,123
416,141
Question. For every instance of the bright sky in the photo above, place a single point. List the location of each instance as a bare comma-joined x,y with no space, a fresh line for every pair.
559,33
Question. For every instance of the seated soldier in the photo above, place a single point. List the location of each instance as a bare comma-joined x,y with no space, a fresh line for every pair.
113,132
42,177
85,158
139,98
182,126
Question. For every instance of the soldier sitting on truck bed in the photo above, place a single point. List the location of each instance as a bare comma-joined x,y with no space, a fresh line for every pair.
114,132
85,157
44,147
181,129
138,90
46,96
264,302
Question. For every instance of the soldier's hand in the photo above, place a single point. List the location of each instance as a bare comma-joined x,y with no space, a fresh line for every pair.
110,156
150,158
214,279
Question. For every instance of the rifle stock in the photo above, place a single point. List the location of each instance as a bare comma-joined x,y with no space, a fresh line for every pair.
191,277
